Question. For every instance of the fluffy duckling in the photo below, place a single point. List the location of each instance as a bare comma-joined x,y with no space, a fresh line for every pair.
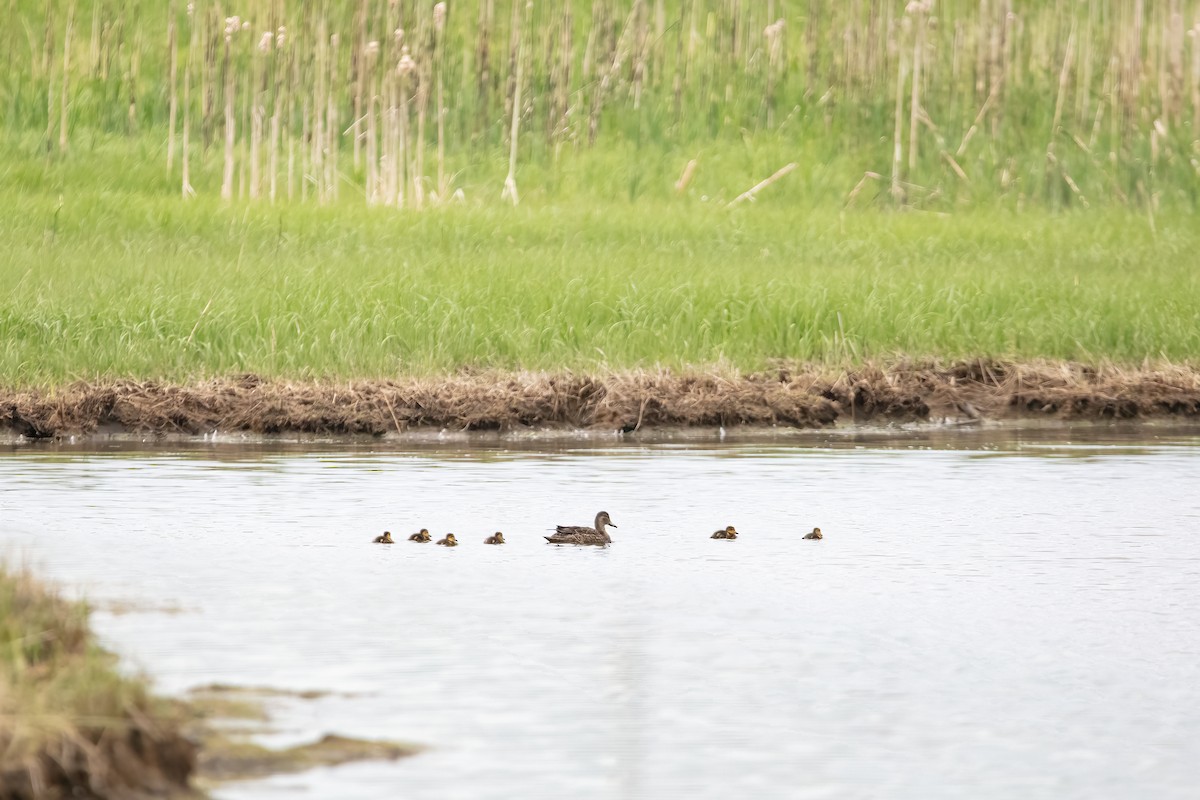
385,539
816,534
421,536
449,541
729,533
497,538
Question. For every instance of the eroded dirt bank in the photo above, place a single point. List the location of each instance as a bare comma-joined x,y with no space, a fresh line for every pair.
139,758
72,725
796,396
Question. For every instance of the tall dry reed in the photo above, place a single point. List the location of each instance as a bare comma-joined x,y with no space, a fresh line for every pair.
1055,100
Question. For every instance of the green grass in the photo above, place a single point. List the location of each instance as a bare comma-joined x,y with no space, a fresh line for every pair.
701,80
125,282
1089,254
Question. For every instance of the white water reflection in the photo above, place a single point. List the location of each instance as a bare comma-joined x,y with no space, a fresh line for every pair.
1009,619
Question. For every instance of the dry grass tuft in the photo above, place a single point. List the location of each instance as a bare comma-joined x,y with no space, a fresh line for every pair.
73,727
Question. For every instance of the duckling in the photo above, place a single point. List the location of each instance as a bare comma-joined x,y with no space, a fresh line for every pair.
421,536
816,534
385,539
729,533
498,538
449,541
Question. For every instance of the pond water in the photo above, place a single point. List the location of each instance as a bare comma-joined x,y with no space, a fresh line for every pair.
994,614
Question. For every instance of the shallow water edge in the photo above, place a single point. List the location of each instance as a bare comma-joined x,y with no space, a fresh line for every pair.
939,434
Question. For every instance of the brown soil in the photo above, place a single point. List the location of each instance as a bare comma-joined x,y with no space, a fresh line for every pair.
225,719
789,395
149,755
238,760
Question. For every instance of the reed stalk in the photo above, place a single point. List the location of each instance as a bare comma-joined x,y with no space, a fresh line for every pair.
595,76
1194,35
439,57
358,70
898,130
48,77
418,165
509,192
48,40
279,105
172,84
133,81
920,12
331,124
65,93
256,95
185,149
371,155
231,29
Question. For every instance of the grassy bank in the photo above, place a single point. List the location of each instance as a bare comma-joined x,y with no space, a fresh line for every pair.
967,183
125,285
71,725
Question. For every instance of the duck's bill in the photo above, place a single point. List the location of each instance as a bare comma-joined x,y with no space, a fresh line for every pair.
613,525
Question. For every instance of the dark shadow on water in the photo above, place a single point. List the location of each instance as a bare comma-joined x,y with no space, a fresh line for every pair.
1052,439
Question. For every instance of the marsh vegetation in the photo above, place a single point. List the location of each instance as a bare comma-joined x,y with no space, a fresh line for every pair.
71,723
407,104
201,190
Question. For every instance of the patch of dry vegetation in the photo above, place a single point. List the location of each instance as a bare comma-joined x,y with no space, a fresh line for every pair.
224,720
787,395
240,759
70,725
411,105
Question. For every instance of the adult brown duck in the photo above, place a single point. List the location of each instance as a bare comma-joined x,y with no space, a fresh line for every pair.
421,536
496,538
581,534
385,539
449,541
816,534
729,533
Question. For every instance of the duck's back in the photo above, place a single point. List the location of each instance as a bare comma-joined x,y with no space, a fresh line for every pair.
576,534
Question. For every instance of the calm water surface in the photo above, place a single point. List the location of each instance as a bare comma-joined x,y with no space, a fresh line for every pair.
995,615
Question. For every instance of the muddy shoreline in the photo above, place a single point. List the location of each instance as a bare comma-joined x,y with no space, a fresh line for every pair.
788,396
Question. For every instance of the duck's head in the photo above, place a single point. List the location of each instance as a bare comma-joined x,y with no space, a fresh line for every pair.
499,537
450,538
604,519
731,530
816,532
424,531
387,536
